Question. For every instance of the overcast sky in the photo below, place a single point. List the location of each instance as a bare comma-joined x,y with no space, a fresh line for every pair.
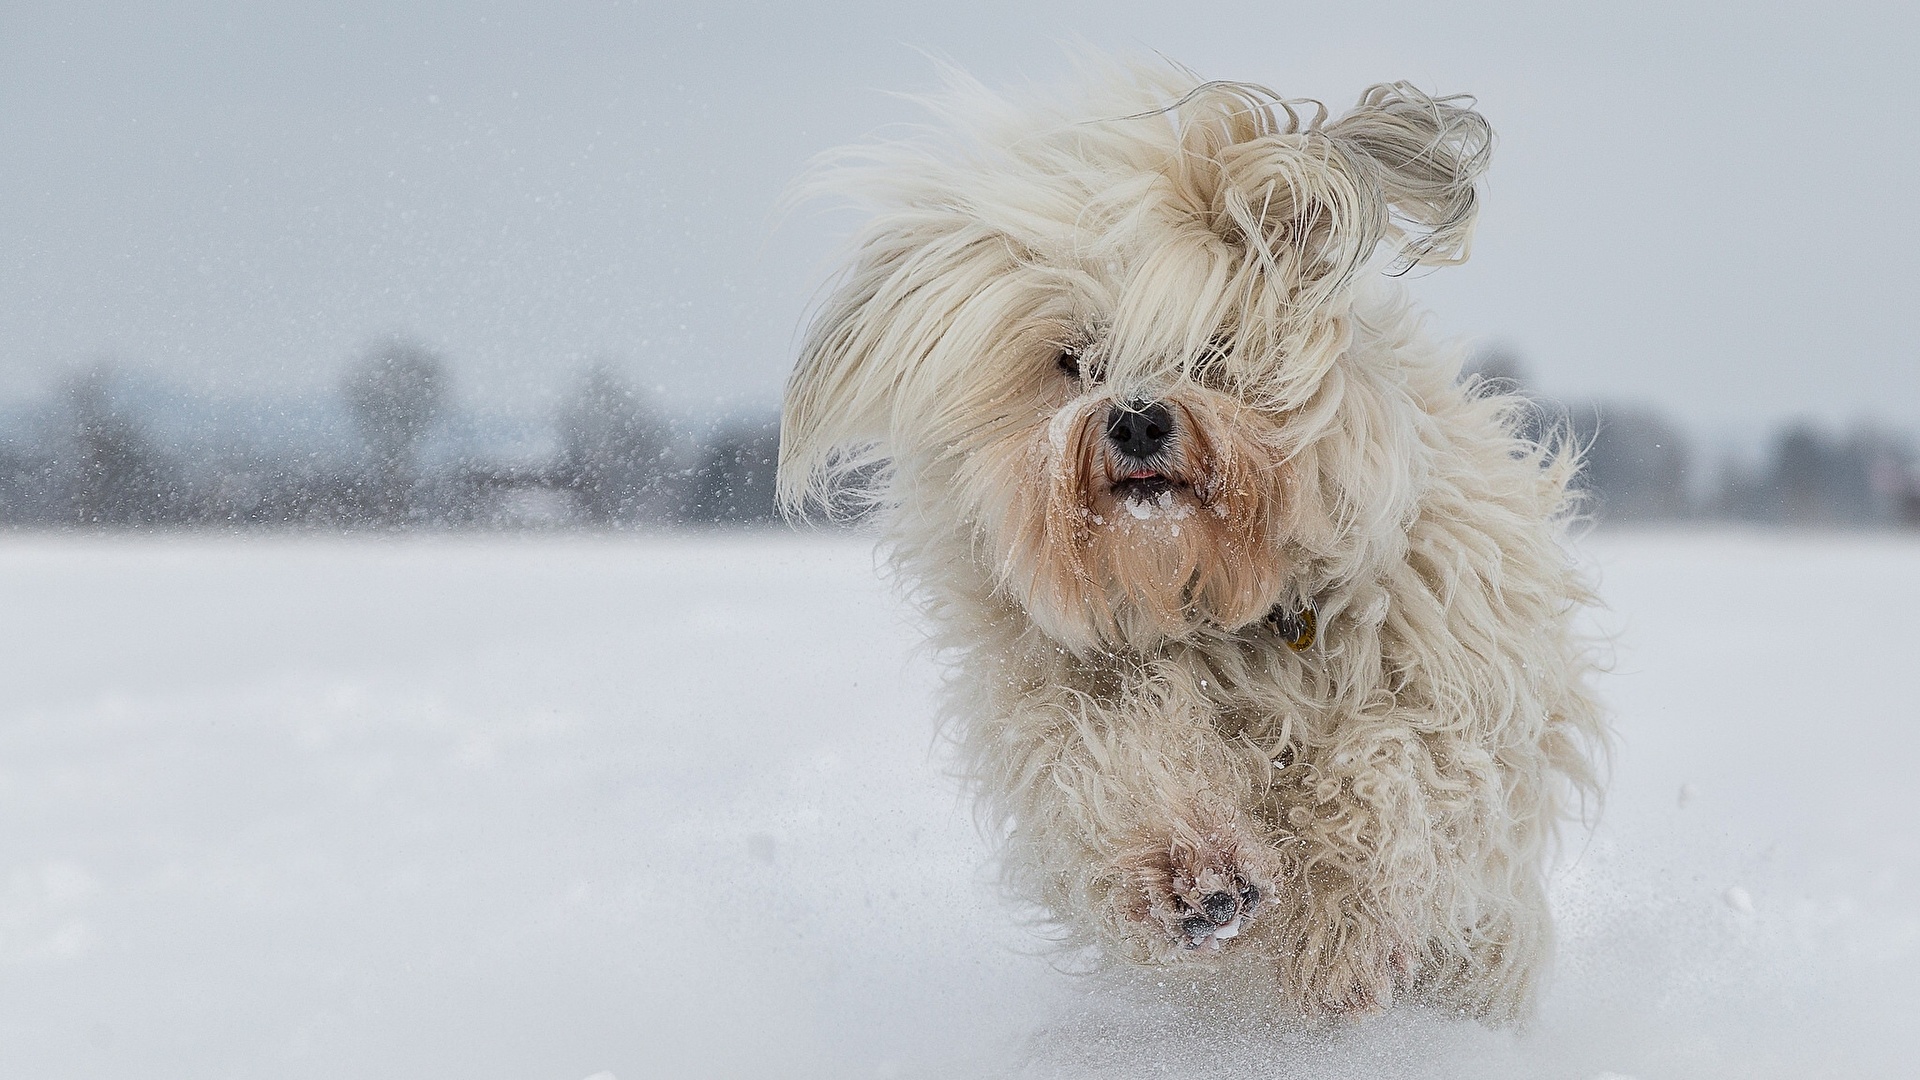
1706,206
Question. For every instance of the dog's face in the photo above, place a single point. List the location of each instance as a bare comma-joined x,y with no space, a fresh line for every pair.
1106,346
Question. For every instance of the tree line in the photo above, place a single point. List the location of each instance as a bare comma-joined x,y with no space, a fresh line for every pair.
381,454
1640,465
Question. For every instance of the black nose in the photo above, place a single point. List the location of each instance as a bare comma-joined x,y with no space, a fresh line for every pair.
1139,429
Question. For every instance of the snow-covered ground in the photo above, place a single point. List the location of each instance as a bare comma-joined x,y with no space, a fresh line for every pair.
671,807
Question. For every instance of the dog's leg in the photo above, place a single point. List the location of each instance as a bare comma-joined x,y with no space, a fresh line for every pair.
1129,815
1406,871
1490,971
1340,953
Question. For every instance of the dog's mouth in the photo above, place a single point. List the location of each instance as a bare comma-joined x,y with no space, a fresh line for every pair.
1143,485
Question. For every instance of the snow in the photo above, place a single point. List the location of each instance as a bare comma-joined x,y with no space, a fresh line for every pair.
1160,507
672,807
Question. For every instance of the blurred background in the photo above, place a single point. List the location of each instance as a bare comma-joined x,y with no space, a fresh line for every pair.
504,265
382,697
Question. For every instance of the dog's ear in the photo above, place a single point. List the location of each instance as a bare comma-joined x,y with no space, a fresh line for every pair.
836,409
1312,200
1424,156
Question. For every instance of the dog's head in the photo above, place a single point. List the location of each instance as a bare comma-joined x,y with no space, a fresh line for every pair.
1107,343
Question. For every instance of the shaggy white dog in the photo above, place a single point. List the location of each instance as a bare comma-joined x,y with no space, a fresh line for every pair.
1259,618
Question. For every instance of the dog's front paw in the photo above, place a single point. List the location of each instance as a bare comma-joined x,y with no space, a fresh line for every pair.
1196,889
1219,917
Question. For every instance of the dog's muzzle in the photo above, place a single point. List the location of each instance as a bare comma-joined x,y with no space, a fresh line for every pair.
1139,430
1139,433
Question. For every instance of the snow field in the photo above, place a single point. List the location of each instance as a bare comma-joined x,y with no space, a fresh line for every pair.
672,806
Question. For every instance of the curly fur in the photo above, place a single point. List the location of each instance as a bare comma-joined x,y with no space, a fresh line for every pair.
1374,813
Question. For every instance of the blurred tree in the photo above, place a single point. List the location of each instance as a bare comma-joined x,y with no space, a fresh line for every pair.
396,395
735,482
1636,464
1799,475
1906,502
1816,479
1856,479
114,473
613,449
1896,479
1743,492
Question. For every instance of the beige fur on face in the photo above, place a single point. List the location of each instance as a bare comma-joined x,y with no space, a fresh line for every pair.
1339,826
1093,561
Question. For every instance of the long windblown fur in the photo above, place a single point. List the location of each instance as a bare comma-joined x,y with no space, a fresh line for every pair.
1363,818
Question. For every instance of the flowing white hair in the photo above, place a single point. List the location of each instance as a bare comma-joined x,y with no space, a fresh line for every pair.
1290,206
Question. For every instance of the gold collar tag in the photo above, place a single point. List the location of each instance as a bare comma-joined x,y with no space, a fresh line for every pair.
1296,628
